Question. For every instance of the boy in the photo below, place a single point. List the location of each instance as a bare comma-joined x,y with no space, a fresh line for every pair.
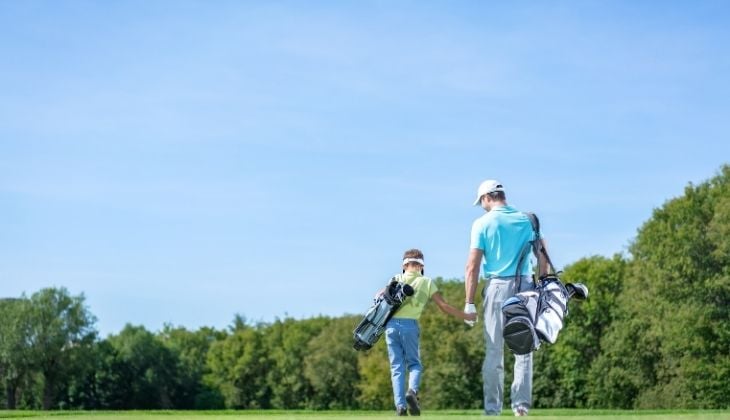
402,332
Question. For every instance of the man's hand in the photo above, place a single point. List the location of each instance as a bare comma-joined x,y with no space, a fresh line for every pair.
469,308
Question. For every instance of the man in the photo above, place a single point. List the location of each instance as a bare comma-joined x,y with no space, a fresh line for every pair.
498,237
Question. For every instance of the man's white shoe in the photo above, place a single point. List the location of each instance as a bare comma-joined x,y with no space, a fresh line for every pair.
520,411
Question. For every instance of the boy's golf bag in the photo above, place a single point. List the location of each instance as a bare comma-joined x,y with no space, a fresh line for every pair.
369,330
535,316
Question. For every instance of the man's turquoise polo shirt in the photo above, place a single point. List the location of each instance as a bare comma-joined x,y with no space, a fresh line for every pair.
501,234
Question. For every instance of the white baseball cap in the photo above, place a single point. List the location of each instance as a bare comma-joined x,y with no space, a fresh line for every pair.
486,187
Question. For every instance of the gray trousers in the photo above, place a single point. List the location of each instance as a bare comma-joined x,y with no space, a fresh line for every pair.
495,293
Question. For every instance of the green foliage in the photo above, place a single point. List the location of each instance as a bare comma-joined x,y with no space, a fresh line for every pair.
287,342
375,391
15,350
190,349
562,369
98,382
145,368
60,326
452,354
237,369
331,366
669,345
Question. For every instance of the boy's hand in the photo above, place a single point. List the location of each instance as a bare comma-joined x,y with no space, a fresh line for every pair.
471,312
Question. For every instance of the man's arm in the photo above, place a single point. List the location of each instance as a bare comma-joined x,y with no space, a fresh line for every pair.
471,277
471,280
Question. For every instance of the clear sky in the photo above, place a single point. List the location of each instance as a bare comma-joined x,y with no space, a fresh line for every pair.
181,162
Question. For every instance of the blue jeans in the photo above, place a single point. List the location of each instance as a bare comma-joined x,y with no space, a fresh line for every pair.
402,337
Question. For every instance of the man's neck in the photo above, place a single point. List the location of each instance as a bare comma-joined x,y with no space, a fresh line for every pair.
497,204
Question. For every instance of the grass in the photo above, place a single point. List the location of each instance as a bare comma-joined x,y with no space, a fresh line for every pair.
364,415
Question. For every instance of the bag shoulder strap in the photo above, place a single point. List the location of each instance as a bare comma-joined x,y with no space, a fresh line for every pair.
537,247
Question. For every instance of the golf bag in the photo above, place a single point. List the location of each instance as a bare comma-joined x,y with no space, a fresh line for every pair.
536,316
369,330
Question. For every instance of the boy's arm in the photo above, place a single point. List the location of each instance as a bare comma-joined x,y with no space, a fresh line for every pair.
446,308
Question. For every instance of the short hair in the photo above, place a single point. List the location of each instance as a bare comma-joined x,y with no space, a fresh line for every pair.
497,196
413,253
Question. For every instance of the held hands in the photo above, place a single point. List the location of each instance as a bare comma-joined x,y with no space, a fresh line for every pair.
471,314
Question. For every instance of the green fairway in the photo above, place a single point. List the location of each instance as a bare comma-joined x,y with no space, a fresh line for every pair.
364,415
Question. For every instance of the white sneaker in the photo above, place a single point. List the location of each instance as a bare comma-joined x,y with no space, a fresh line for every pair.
520,411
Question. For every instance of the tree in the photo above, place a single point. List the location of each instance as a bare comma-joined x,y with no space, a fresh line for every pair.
59,323
331,366
237,368
452,355
287,343
668,347
144,369
15,361
682,260
98,383
562,370
374,388
190,350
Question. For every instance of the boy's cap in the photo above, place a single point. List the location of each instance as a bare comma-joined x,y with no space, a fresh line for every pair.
486,187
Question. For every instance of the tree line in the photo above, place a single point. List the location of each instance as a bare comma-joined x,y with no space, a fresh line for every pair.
655,333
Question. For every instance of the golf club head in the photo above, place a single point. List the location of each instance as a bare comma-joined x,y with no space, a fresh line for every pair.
408,290
577,290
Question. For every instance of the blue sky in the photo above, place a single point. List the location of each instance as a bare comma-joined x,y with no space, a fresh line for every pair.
183,161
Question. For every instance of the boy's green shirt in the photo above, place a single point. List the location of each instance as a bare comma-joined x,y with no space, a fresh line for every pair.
423,288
